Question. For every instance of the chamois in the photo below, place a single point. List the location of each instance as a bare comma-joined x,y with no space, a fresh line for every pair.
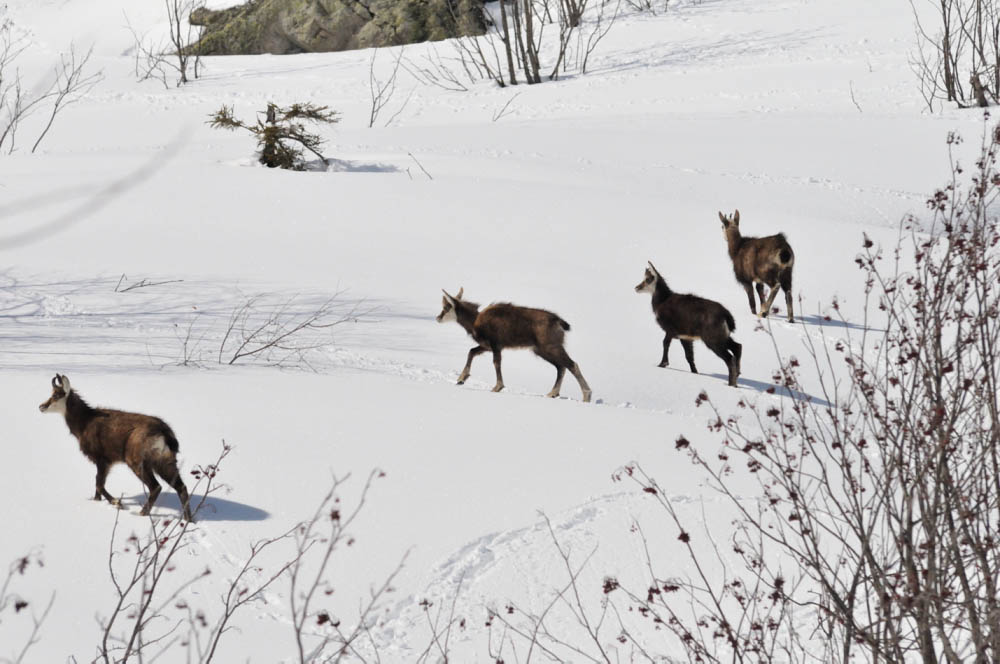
761,261
504,325
146,444
689,317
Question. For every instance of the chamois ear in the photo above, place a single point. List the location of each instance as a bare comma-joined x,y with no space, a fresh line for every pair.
722,217
64,383
736,217
461,291
450,298
655,271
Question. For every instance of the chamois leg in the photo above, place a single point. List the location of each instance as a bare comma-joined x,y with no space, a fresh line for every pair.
552,357
765,308
689,353
748,287
168,471
554,392
721,348
667,338
563,361
100,492
737,350
149,480
786,285
464,376
760,291
496,365
584,387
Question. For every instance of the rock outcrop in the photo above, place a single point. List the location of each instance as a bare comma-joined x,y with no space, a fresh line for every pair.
307,26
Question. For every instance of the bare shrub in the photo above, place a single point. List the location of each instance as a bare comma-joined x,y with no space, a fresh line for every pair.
382,92
177,55
15,608
265,329
957,58
153,614
247,587
512,50
279,332
134,627
873,534
438,71
123,286
321,635
281,134
584,634
70,82
602,24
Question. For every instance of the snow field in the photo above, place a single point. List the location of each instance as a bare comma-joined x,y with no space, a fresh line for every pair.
709,106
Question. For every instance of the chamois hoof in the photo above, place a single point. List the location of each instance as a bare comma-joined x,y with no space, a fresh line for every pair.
586,397
552,395
461,382
663,364
497,388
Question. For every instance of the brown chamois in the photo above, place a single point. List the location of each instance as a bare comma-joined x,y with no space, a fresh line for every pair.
504,325
689,317
145,443
761,261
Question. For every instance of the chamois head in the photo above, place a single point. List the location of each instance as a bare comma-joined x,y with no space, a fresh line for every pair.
730,222
448,306
648,283
60,392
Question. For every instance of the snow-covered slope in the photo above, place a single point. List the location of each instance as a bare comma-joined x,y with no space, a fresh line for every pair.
802,114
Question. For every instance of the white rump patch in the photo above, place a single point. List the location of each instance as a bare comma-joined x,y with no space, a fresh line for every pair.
159,446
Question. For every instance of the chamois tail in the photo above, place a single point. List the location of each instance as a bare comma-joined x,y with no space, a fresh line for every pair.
785,256
730,322
563,324
170,439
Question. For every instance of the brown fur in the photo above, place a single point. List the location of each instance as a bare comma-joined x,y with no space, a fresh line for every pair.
761,261
689,317
504,325
109,436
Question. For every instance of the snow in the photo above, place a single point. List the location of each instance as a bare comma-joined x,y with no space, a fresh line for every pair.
708,106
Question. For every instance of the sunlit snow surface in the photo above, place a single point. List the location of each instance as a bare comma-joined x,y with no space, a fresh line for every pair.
709,106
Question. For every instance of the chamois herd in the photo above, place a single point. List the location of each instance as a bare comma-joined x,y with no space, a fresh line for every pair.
149,447
757,261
